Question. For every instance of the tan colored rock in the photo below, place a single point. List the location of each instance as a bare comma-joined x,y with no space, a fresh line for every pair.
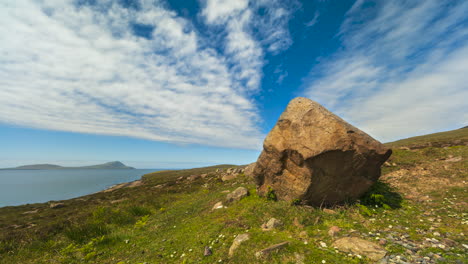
316,157
228,177
333,231
237,194
358,246
237,242
249,170
56,205
329,211
271,224
218,205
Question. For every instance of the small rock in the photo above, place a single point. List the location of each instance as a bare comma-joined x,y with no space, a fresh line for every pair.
360,246
303,235
382,242
329,211
56,205
333,231
237,241
271,224
193,177
297,223
218,205
237,194
299,258
207,252
265,252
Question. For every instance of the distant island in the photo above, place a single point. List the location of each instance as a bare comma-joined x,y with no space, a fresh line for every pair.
108,165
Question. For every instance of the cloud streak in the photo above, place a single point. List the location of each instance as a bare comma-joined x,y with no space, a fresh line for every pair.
85,68
400,72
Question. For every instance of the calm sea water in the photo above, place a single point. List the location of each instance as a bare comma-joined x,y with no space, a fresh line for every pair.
37,186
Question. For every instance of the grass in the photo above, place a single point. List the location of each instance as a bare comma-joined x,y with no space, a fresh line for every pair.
453,137
169,219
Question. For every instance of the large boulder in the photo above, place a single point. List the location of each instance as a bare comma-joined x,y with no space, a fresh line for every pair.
316,157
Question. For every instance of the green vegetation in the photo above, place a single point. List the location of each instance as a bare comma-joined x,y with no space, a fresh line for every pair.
169,219
453,137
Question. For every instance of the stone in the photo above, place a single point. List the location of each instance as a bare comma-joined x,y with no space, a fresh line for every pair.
297,223
316,157
358,246
56,205
237,242
267,251
228,176
249,169
271,224
237,194
218,205
329,211
193,177
207,252
333,231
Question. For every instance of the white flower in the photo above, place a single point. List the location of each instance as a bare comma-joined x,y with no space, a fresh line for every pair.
323,261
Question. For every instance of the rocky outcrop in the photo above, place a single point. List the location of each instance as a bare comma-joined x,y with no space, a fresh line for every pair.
316,157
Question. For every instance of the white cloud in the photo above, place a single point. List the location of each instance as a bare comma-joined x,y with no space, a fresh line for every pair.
245,49
401,71
82,69
313,21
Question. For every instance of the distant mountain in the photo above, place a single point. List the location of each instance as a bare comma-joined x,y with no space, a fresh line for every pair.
108,165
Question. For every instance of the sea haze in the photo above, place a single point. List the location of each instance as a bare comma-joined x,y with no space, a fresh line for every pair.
37,186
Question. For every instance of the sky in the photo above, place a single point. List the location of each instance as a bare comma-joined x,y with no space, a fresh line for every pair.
190,83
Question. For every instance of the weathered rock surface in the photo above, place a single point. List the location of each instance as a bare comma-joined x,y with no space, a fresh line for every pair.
249,170
271,224
218,205
237,242
358,246
237,194
315,156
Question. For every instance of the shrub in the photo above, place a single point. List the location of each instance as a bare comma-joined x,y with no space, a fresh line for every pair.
270,195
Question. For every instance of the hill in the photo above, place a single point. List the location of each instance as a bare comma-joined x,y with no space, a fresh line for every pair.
443,139
108,165
417,212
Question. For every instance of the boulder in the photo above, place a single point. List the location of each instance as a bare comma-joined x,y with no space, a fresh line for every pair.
237,194
316,157
358,246
237,241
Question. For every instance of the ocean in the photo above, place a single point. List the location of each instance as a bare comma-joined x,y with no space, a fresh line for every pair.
19,187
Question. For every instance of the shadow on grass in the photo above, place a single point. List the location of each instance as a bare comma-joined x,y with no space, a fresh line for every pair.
381,194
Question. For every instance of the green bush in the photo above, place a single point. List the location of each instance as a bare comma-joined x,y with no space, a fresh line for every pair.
381,195
270,195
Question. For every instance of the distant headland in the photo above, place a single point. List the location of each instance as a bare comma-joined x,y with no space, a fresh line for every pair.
107,165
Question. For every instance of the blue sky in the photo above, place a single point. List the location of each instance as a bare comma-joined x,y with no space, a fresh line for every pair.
186,83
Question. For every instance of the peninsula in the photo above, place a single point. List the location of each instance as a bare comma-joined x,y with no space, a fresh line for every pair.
105,166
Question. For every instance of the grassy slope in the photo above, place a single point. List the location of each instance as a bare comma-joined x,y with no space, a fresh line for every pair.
166,221
453,137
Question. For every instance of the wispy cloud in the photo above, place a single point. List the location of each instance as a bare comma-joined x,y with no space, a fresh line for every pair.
401,70
140,72
313,21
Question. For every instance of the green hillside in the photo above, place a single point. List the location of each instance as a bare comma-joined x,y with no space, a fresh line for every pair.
417,212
